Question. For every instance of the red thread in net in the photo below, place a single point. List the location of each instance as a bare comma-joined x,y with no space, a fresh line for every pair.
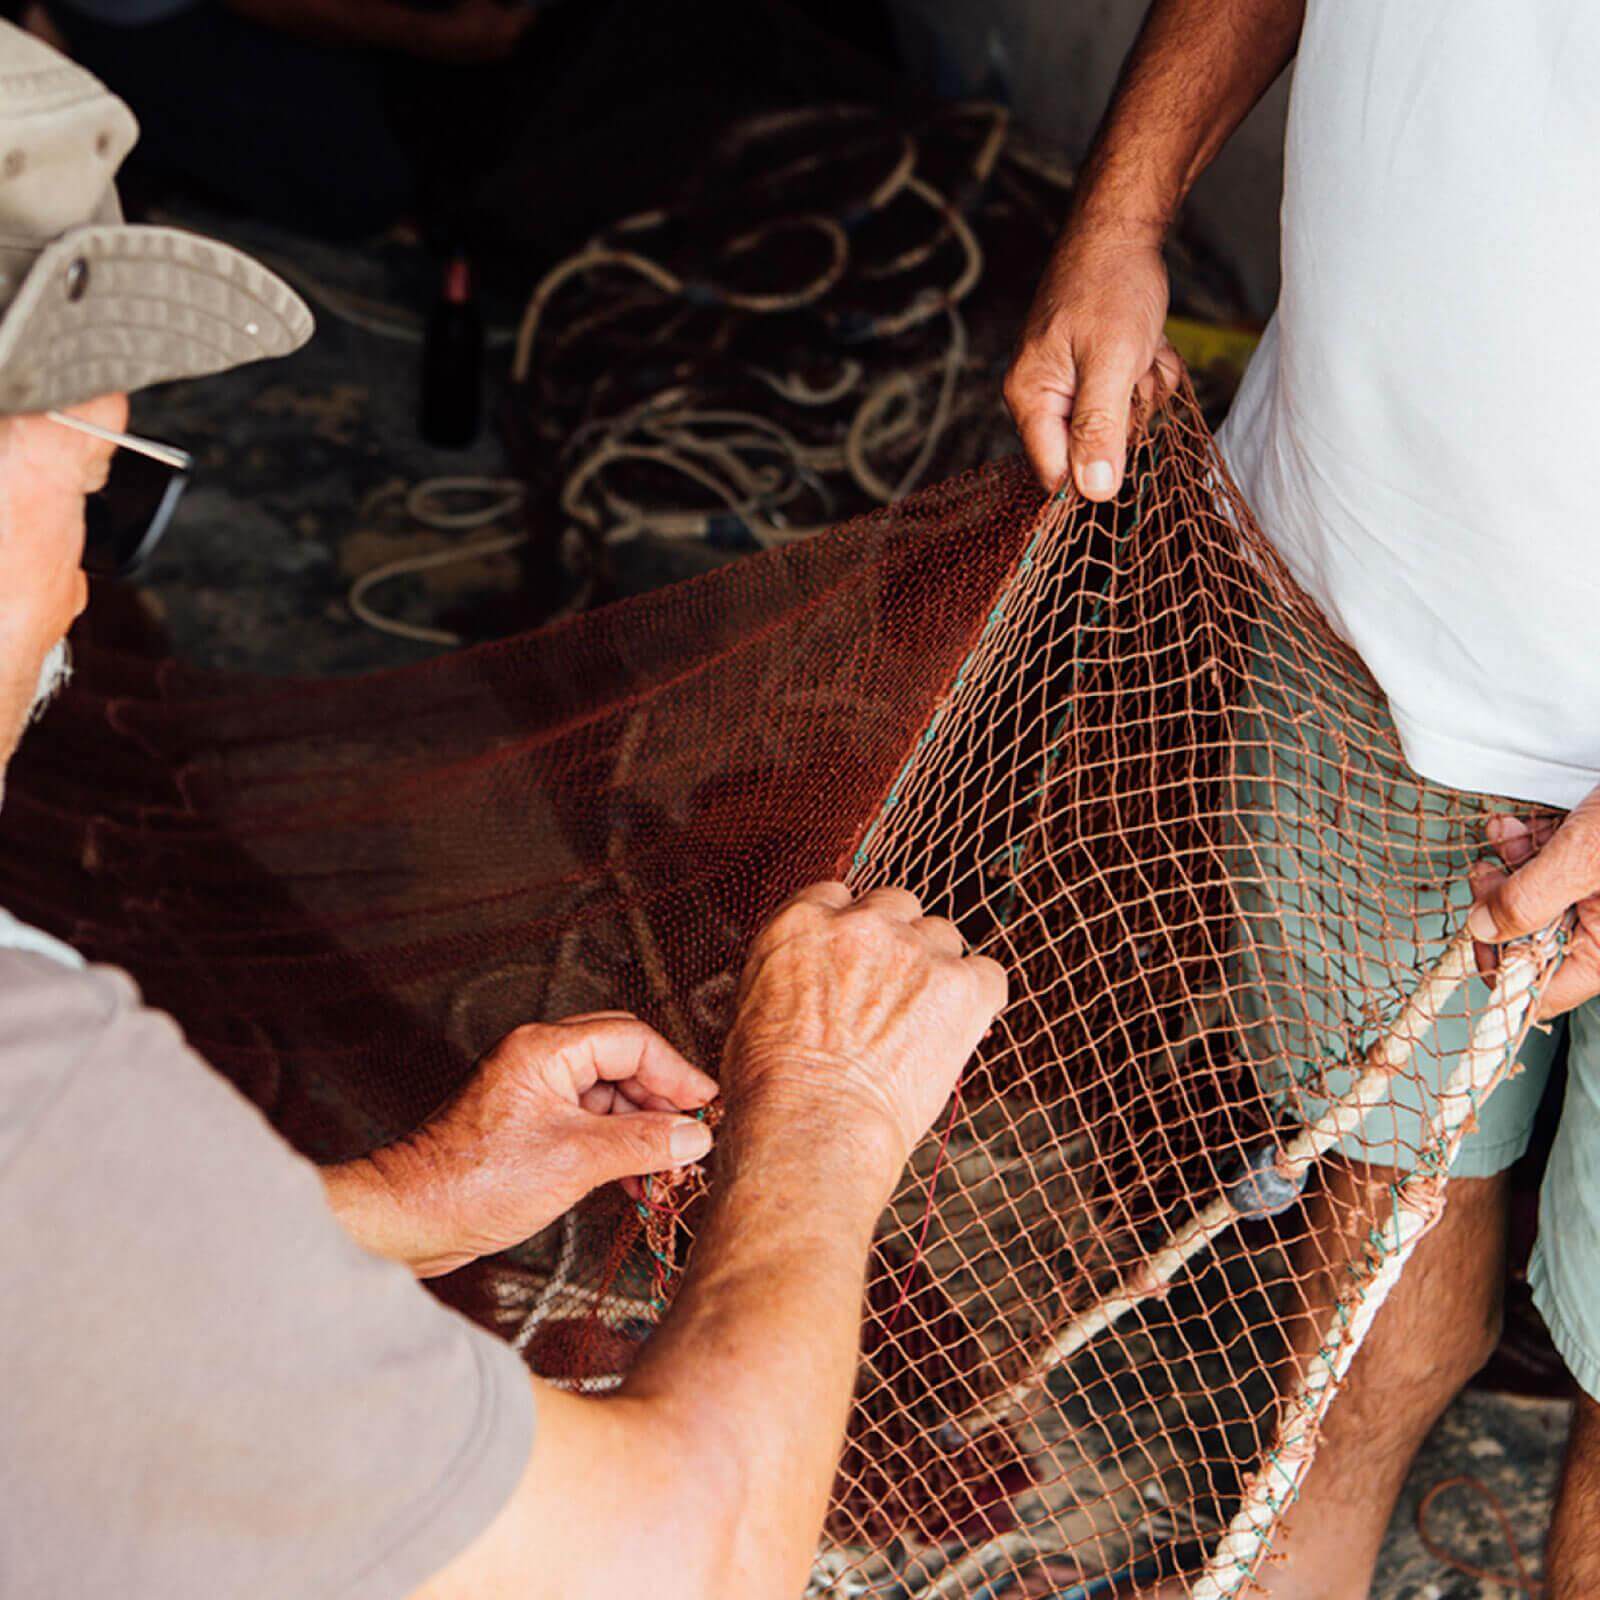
927,1214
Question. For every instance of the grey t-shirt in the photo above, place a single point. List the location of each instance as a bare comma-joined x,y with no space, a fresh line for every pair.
206,1389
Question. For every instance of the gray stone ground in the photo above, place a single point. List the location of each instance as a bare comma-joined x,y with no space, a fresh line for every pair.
1514,1447
301,467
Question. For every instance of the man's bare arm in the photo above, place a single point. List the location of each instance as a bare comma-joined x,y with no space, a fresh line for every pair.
1094,335
706,1476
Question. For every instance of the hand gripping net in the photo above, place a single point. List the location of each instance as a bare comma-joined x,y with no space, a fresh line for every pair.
1115,744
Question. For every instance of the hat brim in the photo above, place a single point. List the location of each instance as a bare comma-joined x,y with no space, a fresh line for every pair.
112,308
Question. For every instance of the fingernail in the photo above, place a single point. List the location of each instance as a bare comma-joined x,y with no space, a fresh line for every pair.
1097,478
689,1140
1480,924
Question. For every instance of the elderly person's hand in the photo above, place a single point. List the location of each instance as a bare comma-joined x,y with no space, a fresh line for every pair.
553,1111
1094,338
1547,869
854,1020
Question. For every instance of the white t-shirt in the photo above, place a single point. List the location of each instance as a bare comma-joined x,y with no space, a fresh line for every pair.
1419,433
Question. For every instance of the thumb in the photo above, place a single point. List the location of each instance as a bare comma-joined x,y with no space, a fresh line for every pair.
1098,442
647,1141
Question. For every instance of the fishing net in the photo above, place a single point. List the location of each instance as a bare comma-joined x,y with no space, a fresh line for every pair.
1114,743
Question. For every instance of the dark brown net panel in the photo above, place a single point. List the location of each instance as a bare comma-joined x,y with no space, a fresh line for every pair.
1115,744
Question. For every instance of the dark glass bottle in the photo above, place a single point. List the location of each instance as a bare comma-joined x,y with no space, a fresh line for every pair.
452,361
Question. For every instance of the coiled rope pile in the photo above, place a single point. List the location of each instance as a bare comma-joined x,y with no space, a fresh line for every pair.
816,326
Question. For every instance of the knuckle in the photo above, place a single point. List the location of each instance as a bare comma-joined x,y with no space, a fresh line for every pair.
1022,391
614,1144
1122,351
797,914
991,972
529,1038
1093,424
641,1141
988,983
892,895
1513,905
1132,351
820,886
863,930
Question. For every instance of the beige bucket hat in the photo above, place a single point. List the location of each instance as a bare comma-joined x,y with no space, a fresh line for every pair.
89,304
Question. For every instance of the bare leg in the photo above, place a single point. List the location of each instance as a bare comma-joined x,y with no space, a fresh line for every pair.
1437,1328
1572,1559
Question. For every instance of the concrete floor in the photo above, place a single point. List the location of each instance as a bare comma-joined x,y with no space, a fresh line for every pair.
1511,1445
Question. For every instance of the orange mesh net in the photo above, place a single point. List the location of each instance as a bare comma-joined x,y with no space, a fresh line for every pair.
1115,744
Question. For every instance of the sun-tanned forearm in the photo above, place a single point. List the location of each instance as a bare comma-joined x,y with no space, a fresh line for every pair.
1096,332
765,1336
718,1451
1196,69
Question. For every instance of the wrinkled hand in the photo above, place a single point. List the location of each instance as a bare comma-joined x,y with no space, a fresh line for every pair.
553,1111
1547,868
855,1018
1094,338
470,32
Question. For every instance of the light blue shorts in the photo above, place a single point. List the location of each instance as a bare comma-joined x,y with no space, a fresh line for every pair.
1351,876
